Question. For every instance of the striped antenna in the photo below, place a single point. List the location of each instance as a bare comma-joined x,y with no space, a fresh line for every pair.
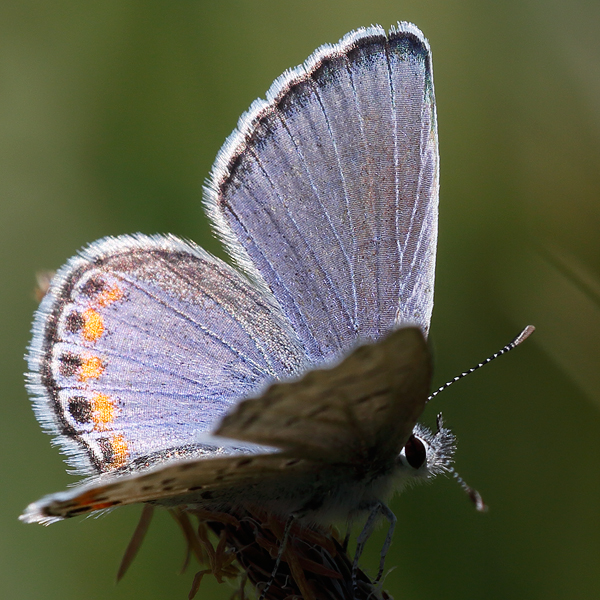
473,494
518,340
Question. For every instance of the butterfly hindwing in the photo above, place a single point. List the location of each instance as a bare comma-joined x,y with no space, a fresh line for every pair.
205,483
142,342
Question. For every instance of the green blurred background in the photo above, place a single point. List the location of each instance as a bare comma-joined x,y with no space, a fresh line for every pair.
111,114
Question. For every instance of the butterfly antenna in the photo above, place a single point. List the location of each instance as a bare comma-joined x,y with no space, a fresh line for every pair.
511,346
473,494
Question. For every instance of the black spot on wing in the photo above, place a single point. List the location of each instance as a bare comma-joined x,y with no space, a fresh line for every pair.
80,409
69,364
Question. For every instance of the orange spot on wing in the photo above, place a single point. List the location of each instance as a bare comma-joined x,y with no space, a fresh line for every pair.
91,368
89,499
102,505
120,451
104,411
86,497
93,327
107,297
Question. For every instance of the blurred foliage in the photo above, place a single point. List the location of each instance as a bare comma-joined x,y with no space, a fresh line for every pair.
110,116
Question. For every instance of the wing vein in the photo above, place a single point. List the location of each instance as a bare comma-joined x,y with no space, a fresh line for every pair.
354,318
303,239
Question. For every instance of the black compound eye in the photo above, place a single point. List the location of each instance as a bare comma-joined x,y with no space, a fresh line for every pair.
415,452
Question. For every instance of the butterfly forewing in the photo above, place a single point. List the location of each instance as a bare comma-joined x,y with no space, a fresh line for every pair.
142,342
361,410
327,192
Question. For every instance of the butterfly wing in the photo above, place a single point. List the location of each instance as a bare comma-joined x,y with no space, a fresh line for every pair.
327,191
142,342
360,411
204,482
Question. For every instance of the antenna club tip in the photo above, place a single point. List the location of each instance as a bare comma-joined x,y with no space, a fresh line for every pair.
524,335
480,505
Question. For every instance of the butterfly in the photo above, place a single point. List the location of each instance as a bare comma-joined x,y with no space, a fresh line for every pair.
294,381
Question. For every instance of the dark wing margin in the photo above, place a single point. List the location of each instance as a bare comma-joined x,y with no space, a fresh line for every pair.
327,191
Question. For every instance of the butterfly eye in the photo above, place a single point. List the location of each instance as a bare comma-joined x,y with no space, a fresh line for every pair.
415,452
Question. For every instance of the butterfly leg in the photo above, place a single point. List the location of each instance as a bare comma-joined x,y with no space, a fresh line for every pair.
391,517
286,533
362,540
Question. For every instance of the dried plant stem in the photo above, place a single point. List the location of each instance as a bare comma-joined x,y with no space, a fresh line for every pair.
314,564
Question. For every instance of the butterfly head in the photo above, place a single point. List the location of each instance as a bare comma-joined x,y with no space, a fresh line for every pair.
427,453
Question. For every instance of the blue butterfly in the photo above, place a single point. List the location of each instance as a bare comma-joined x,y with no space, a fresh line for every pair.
293,382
